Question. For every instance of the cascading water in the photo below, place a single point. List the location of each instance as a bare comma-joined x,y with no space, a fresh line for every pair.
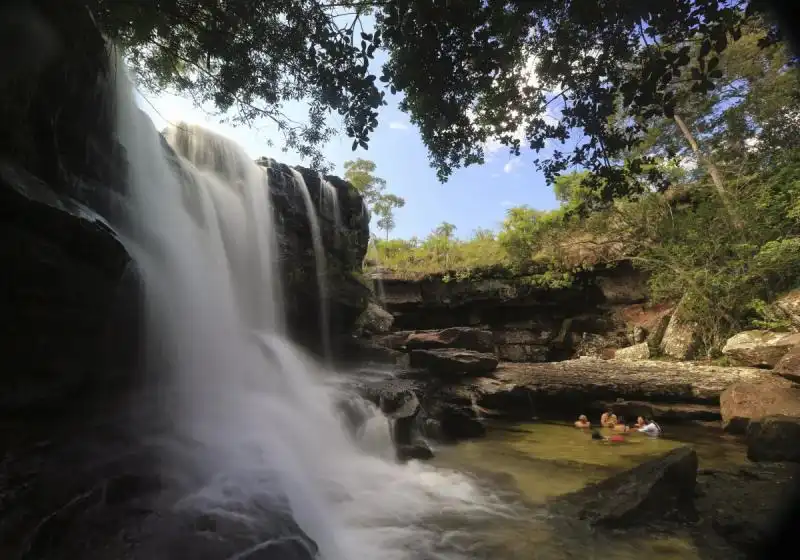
251,419
320,265
329,198
377,279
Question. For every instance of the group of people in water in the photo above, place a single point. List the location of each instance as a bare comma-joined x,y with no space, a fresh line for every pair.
618,426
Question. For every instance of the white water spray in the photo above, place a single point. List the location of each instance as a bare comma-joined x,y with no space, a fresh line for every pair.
256,412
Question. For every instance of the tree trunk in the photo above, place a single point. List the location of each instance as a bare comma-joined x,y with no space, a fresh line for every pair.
716,176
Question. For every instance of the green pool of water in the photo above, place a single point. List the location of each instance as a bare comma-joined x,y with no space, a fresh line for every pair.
538,462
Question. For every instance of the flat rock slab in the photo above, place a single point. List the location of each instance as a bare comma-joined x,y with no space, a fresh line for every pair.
454,361
466,338
659,489
590,379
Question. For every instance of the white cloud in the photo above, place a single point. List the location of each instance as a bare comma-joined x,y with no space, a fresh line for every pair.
512,165
397,125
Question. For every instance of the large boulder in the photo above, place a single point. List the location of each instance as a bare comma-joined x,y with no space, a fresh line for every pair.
375,320
789,365
759,348
454,361
744,402
680,339
774,438
466,338
633,353
659,489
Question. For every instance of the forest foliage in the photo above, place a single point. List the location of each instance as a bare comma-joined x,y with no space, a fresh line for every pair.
724,236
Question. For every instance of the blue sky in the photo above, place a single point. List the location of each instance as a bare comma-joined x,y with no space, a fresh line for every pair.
474,197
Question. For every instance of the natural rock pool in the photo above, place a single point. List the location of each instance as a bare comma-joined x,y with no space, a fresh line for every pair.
531,465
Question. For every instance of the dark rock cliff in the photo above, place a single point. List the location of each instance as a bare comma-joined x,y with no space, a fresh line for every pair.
72,476
530,321
70,293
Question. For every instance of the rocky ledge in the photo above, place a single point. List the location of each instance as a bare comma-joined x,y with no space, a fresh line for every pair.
669,391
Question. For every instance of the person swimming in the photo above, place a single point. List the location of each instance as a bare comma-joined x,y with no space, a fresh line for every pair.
614,438
605,417
619,425
583,422
640,423
651,428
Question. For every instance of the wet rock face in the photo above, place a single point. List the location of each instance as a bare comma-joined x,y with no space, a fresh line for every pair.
344,229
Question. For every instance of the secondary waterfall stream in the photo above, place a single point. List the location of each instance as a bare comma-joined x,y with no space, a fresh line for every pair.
319,263
252,418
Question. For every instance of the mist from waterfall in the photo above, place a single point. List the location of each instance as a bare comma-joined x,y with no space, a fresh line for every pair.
252,419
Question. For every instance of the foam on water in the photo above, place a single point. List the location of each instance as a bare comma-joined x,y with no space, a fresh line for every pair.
256,416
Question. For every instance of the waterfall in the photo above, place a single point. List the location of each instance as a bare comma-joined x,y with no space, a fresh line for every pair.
329,198
251,420
320,265
377,279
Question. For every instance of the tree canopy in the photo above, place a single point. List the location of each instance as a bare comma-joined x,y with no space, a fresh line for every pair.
523,73
361,174
252,57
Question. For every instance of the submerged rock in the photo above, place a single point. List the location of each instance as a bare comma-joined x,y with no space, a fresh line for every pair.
454,361
774,438
759,348
744,402
657,490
